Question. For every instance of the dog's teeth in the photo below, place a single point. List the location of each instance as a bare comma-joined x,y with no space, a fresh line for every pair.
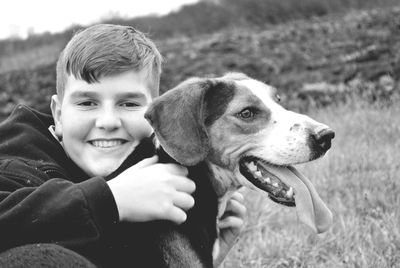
275,184
289,193
258,174
267,180
252,167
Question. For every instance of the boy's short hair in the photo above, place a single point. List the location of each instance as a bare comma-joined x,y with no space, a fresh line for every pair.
105,49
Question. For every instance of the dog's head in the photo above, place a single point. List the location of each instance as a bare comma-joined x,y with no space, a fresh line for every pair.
236,123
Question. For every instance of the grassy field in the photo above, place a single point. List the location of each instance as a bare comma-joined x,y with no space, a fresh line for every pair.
359,180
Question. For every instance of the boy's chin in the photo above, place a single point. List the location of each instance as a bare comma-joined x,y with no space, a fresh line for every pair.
100,164
102,169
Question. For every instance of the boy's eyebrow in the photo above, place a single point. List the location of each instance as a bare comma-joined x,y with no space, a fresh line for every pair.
93,94
131,95
82,94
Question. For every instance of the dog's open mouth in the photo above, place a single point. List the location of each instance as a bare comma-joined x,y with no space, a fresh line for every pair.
287,186
262,176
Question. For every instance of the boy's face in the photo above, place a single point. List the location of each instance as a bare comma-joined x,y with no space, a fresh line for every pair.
102,123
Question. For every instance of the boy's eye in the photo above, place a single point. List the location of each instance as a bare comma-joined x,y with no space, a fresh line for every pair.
129,104
87,103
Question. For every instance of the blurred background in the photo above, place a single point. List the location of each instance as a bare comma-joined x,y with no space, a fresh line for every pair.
335,60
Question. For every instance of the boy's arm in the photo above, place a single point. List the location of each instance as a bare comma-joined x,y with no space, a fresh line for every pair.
153,191
71,214
78,214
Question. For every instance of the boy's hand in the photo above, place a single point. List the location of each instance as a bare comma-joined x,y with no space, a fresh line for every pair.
153,191
230,226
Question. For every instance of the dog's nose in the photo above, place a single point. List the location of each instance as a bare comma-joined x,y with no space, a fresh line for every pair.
323,138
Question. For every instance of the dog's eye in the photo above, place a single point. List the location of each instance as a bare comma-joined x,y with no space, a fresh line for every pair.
246,113
277,98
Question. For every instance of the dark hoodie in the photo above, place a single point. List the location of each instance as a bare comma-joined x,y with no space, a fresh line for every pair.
45,197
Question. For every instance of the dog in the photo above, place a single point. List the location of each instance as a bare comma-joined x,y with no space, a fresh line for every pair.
230,132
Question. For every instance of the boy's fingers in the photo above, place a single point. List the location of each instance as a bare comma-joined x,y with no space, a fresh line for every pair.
236,208
183,201
177,169
176,215
147,162
231,222
182,170
184,184
238,196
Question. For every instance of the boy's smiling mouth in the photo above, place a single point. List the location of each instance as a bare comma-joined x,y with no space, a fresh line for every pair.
107,143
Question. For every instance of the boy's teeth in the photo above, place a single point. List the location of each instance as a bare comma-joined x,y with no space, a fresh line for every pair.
106,144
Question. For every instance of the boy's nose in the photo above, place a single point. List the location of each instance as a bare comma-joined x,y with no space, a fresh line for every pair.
108,120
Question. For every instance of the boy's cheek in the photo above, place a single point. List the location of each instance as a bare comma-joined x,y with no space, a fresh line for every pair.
141,129
75,126
75,130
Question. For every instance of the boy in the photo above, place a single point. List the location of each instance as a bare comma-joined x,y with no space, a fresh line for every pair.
65,184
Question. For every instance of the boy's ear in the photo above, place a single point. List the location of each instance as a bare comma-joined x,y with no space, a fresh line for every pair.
55,107
177,118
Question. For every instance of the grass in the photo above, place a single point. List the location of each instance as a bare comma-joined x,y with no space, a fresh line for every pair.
359,180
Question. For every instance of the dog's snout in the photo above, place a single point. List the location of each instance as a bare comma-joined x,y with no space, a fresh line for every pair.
323,138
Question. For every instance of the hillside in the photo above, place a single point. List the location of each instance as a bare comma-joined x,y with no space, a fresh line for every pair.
312,61
352,54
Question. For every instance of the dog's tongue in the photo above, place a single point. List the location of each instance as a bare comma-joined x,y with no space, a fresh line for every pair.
310,207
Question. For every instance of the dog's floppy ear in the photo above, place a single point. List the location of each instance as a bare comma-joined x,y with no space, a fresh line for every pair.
177,118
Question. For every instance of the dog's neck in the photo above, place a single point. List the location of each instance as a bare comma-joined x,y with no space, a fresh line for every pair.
221,178
222,185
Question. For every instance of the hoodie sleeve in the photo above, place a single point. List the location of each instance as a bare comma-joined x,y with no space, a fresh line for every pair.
56,211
